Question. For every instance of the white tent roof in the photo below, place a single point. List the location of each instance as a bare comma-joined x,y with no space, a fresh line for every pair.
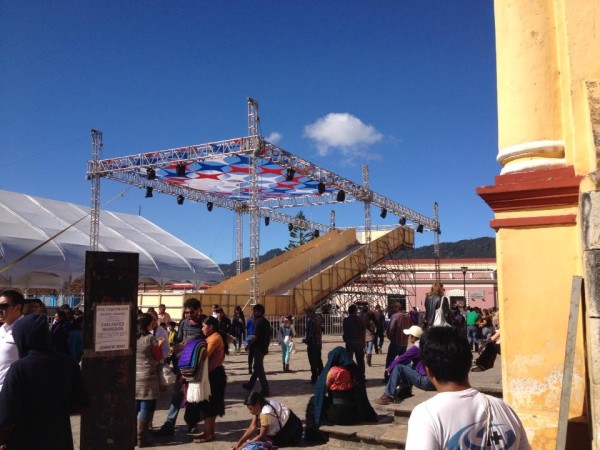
26,222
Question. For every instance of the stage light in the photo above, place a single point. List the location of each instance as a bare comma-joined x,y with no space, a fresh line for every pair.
289,175
151,174
267,221
321,187
402,221
180,199
209,206
180,170
341,196
383,213
316,233
148,192
419,228
290,226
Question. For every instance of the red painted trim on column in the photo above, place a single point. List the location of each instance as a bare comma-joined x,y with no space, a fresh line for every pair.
521,222
532,190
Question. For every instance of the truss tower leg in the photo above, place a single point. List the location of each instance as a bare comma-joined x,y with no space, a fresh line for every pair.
239,241
253,132
368,251
95,178
436,242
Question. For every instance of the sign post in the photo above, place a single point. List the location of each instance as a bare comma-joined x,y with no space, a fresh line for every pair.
108,365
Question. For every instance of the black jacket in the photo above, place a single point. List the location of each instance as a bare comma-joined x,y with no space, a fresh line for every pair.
42,388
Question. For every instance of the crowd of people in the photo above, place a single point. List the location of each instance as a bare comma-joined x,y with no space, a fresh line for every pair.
189,357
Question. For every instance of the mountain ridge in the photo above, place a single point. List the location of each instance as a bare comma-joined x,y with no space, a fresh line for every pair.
482,247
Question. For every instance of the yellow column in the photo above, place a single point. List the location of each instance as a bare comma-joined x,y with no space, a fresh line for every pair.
529,114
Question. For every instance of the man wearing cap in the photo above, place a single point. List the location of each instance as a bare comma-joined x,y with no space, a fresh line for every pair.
406,370
11,311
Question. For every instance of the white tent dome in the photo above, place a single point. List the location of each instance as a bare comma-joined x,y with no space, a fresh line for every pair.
26,222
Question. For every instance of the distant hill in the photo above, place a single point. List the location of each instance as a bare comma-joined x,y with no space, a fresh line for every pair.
229,270
484,247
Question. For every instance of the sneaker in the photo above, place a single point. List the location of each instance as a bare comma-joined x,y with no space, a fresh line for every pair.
384,400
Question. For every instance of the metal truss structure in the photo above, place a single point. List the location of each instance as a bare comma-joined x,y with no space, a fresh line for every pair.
392,279
271,178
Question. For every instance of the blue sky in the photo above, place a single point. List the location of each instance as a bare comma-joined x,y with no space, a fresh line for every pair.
406,87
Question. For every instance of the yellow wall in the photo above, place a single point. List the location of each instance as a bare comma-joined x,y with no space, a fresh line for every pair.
546,52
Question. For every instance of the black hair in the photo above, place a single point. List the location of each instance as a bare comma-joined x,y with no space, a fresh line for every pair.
192,303
258,307
212,321
253,398
16,298
352,309
144,320
446,353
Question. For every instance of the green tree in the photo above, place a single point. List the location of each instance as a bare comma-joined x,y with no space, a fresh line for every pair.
299,236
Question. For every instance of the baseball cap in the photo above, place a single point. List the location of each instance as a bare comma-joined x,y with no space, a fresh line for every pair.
414,331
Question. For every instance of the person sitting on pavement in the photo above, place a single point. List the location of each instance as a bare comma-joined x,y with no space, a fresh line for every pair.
275,422
340,396
489,350
405,371
459,416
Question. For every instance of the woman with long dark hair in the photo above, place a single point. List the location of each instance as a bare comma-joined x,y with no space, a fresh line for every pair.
275,422
147,356
216,349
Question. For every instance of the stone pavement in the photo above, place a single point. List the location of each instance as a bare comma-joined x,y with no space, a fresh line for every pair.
292,389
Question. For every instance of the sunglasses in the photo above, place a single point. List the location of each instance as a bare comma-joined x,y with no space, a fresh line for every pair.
4,306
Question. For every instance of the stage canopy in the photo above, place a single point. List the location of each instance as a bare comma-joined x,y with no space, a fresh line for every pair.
26,222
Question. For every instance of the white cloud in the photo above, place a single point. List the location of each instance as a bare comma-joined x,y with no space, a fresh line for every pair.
274,137
343,132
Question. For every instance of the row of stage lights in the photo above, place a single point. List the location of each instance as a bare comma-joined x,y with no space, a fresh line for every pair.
289,176
401,221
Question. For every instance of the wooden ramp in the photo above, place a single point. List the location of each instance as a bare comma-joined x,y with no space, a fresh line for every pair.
306,275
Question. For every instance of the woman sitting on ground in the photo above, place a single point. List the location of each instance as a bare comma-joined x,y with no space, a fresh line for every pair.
489,350
340,397
275,422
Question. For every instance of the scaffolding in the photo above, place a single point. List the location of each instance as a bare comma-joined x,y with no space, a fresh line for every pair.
271,177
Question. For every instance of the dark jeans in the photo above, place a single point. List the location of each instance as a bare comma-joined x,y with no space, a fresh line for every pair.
315,361
259,370
357,350
473,336
403,374
393,351
379,343
145,409
250,358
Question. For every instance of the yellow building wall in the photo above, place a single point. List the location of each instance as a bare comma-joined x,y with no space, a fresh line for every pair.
547,50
